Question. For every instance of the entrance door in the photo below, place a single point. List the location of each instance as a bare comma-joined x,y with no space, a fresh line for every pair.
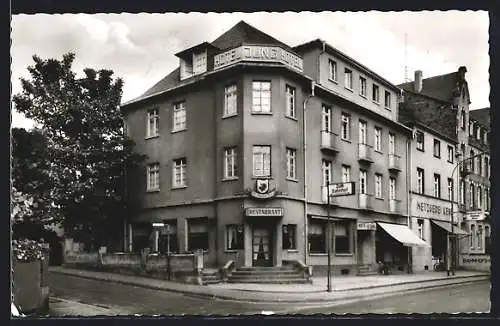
262,248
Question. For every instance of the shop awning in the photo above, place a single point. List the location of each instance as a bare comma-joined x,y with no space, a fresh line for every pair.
403,234
447,227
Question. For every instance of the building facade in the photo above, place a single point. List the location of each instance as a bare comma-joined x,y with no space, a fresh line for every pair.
242,139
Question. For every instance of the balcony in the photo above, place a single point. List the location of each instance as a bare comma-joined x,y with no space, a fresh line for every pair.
329,142
365,201
395,206
365,153
394,163
324,198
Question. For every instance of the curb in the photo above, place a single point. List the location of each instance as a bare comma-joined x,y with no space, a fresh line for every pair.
304,297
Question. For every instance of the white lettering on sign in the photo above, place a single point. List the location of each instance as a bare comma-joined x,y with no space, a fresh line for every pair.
264,211
258,53
366,226
342,189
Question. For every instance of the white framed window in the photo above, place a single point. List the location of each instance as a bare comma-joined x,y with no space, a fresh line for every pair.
261,96
378,185
471,128
375,93
230,100
290,102
471,195
387,100
153,180
326,118
420,181
261,161
326,168
362,132
437,148
179,173
420,228
392,143
153,126
348,78
362,181
179,116
420,140
199,62
289,236
230,163
462,192
378,139
346,173
392,188
479,192
437,185
450,188
234,237
487,199
346,126
479,238
362,86
332,69
291,163
478,133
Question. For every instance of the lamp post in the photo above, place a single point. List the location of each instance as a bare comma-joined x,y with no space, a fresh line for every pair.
329,240
450,236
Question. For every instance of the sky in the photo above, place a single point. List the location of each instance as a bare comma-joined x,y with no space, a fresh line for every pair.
140,48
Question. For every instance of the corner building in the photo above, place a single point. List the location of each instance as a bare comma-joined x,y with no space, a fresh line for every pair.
241,139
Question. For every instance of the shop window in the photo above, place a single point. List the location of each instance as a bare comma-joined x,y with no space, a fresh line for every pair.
317,237
141,237
167,241
234,237
289,236
343,238
197,235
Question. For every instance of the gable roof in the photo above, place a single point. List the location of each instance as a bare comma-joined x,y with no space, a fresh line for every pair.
482,116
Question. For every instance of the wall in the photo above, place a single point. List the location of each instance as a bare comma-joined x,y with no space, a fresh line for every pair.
475,262
30,288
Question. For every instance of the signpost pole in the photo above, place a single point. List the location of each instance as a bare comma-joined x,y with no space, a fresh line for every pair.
329,240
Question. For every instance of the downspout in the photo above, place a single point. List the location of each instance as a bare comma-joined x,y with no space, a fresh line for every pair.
408,193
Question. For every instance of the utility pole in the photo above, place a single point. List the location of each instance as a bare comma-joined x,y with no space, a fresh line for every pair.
406,59
329,240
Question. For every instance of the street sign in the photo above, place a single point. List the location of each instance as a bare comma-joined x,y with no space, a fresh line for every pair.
342,189
158,225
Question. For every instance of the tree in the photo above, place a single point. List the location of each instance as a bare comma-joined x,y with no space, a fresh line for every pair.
87,152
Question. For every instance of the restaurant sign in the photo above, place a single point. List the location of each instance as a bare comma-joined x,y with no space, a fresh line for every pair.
341,189
264,211
258,53
366,226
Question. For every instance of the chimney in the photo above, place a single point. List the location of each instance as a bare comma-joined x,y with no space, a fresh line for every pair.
417,84
461,72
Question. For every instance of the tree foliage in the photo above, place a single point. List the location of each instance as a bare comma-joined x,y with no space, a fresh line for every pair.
85,152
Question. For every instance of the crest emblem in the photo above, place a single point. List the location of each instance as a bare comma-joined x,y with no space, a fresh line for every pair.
262,186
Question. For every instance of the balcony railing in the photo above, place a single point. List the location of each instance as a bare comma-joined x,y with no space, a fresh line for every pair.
394,163
395,206
324,196
365,153
329,142
365,201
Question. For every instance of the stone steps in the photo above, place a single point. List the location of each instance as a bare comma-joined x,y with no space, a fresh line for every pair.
270,281
267,275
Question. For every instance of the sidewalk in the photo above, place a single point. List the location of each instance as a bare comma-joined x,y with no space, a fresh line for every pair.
344,288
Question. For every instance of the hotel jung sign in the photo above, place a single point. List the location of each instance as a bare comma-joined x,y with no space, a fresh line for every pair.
258,53
427,207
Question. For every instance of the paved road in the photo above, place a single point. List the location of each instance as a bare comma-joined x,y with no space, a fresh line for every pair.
128,299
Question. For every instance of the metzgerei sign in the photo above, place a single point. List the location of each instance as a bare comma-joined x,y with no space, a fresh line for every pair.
341,189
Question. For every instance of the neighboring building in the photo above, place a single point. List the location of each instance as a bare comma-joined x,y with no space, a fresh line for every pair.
438,109
225,134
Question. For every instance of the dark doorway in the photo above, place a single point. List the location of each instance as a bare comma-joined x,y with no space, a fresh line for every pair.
262,246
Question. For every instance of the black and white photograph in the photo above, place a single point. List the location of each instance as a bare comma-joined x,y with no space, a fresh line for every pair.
260,163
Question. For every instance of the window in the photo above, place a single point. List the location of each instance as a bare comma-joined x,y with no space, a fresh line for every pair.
437,148
378,186
437,185
362,86
387,101
230,163
485,137
450,188
479,165
346,173
317,236
326,168
478,133
291,166
332,66
420,228
392,143
342,237
375,94
261,161
450,154
392,188
471,128
472,163
199,62
153,182
362,181
261,98
348,78
362,132
179,173
471,195
179,116
197,235
346,126
487,239
486,167
326,118
479,237
234,237
462,192
420,181
289,234
479,191
462,118
420,140
230,100
378,139
472,235
167,240
153,126
486,199
290,102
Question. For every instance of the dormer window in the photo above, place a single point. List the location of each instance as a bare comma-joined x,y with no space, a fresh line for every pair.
194,61
186,68
199,62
